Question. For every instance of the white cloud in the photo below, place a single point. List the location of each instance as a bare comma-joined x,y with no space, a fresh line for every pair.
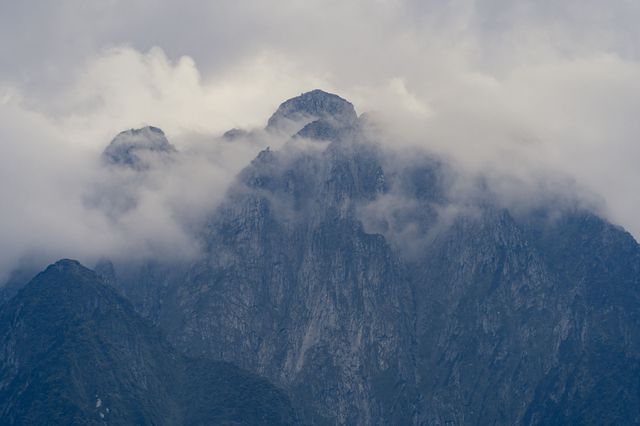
49,155
517,89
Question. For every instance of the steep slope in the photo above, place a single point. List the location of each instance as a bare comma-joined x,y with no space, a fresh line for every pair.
509,337
413,315
74,352
296,290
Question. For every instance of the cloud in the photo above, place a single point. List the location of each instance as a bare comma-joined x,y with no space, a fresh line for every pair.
60,200
570,119
528,94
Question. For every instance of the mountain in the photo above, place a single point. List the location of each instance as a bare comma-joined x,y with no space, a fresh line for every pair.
360,285
138,148
72,351
314,114
355,278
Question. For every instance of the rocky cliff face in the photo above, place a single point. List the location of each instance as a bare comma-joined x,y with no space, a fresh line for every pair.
487,318
295,289
367,291
74,352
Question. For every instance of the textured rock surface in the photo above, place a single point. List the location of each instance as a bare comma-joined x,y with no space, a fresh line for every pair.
314,113
296,290
358,284
487,319
74,352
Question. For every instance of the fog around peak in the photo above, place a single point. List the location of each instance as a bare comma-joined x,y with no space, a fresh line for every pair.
539,98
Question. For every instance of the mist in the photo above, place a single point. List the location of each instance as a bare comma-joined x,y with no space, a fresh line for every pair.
538,98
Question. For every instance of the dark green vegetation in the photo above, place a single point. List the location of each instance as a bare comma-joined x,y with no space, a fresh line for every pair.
74,352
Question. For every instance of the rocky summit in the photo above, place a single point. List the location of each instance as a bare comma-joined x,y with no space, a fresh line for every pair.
138,148
314,113
358,282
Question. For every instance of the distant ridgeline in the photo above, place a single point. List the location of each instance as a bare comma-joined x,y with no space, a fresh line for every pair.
351,281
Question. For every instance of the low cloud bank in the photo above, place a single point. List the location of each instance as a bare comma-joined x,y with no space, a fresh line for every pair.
540,99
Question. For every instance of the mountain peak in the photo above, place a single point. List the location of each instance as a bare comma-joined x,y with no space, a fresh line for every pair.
80,354
312,106
70,279
134,148
66,265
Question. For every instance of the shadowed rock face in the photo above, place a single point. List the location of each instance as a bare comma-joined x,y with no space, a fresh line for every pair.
493,319
138,148
74,352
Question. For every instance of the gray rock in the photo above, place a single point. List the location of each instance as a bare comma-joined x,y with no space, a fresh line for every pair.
138,148
72,351
329,109
493,319
342,278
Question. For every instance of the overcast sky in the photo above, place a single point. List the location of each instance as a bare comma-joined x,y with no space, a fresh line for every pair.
525,89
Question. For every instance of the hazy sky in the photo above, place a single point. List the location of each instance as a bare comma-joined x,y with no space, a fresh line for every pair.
524,89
